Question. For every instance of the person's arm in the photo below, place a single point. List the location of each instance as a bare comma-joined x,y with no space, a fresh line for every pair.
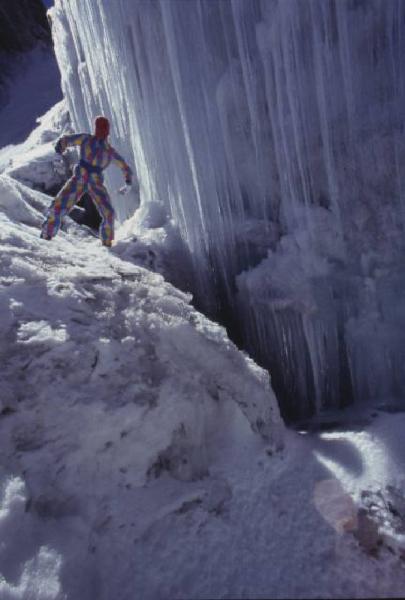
69,140
120,162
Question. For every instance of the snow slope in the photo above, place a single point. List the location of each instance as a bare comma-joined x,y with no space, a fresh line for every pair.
130,467
34,162
109,379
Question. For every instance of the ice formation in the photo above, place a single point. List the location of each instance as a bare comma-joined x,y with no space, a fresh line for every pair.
129,467
271,132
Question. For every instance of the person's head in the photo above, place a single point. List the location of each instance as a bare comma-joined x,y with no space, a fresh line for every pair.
101,128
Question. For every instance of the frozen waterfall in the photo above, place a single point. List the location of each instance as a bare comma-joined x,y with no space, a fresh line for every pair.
272,134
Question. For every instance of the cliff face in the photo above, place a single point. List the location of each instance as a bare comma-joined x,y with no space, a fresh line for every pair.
22,24
29,75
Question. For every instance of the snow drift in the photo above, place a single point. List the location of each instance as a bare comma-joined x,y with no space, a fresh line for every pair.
272,133
111,380
106,335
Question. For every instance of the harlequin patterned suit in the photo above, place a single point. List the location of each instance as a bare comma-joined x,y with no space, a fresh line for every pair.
95,155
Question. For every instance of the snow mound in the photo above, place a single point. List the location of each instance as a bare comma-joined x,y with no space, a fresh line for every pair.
34,162
111,380
80,323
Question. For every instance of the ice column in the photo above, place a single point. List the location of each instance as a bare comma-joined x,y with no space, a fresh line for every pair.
271,132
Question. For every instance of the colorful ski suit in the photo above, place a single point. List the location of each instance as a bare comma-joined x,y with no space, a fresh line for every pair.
95,156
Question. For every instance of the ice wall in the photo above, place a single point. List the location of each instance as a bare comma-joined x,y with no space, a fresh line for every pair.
272,133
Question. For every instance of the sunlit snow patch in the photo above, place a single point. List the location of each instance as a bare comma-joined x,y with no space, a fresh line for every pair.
39,580
40,575
36,332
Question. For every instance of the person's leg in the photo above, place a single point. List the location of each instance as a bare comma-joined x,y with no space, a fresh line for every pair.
62,204
106,211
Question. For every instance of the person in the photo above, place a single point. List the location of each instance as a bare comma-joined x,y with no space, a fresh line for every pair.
96,154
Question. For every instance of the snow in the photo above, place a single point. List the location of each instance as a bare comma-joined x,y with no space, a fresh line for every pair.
131,464
34,162
271,135
142,454
89,338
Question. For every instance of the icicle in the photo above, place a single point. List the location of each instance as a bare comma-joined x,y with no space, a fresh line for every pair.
271,133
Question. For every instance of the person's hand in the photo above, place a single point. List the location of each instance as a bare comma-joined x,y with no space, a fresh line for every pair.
124,189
